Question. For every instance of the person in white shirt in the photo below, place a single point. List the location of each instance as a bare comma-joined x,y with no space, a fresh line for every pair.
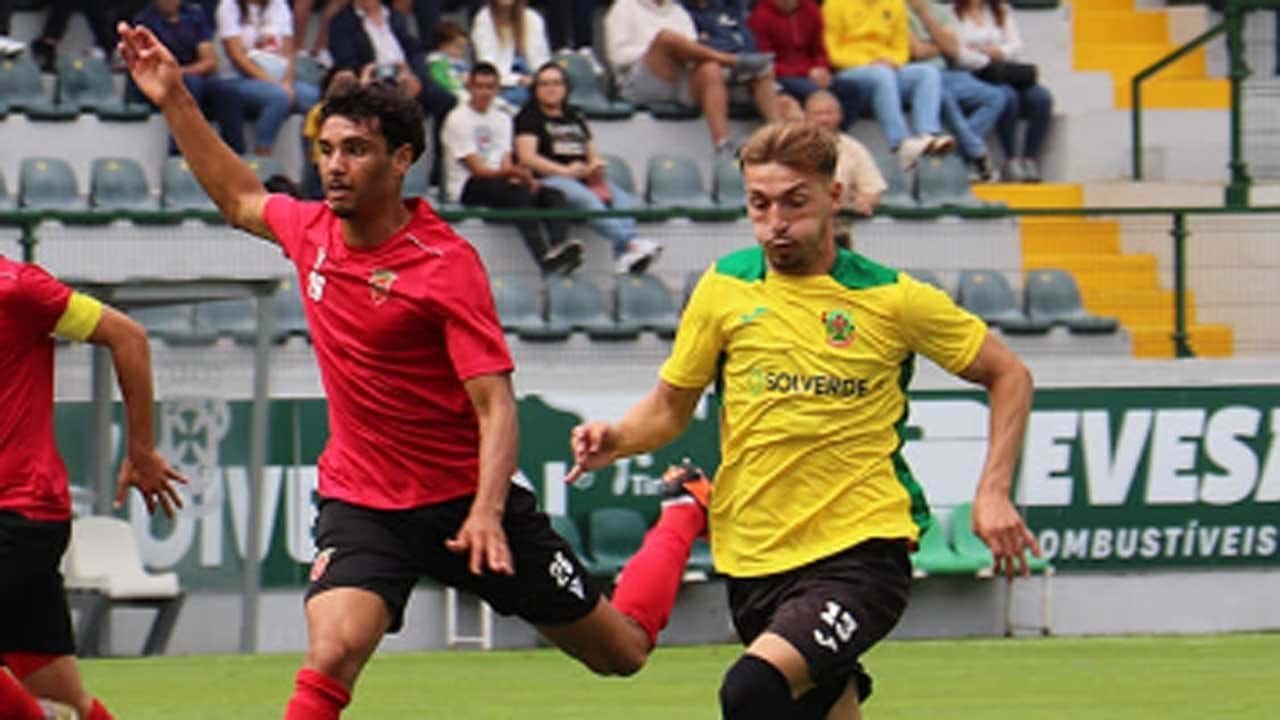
653,48
514,38
481,171
988,26
257,36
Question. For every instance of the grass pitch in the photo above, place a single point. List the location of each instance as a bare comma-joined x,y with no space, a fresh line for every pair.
1130,678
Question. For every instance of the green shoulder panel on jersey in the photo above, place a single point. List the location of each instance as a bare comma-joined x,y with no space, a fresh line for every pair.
858,273
745,264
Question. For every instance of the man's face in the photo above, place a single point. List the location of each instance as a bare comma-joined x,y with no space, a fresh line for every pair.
791,212
355,167
483,89
825,113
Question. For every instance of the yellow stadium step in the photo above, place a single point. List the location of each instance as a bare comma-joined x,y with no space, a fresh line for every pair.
1062,235
1177,94
1156,341
1032,195
1124,61
1089,6
1135,306
1124,26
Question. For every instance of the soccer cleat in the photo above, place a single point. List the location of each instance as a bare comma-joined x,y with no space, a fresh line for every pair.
54,710
686,480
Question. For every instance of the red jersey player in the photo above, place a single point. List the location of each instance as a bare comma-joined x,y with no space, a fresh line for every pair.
37,649
415,478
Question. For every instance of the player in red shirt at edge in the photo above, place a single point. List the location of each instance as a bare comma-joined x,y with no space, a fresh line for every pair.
416,477
37,648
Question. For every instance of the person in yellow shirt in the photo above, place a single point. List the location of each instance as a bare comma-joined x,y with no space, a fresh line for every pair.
869,43
813,510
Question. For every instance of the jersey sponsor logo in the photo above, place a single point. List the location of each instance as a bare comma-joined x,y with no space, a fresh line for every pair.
839,326
315,281
380,282
321,563
788,383
837,628
565,575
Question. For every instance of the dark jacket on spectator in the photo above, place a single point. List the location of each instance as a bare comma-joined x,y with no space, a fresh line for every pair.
352,49
722,24
183,35
795,38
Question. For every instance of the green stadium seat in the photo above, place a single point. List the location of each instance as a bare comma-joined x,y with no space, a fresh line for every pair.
585,93
179,189
673,111
986,293
928,276
726,182
290,319
613,536
236,319
416,179
644,301
674,182
6,200
969,545
519,310
566,528
1052,296
85,83
119,184
307,70
700,564
619,173
897,194
173,324
575,303
264,167
936,557
942,181
22,89
48,184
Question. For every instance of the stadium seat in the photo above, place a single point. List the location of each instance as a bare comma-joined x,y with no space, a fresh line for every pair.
619,173
119,184
519,310
614,535
930,277
745,111
942,181
585,93
987,294
691,279
22,89
307,70
173,324
644,301
700,565
46,183
566,528
179,189
575,303
726,182
968,545
6,200
935,556
1052,296
674,182
673,111
104,569
897,194
290,319
264,167
85,83
416,180
235,319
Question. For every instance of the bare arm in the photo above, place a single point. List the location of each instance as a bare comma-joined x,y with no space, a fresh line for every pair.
143,467
478,169
481,534
657,419
1009,390
231,184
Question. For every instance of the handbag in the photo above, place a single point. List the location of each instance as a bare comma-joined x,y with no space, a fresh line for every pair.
1007,72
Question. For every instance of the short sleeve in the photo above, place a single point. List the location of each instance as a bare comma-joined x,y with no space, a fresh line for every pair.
699,338
228,18
200,26
526,123
287,219
281,21
472,333
459,135
934,326
41,299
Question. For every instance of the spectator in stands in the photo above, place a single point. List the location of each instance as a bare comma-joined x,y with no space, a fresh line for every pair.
792,31
257,36
571,25
654,52
553,141
860,180
447,64
186,31
100,14
514,39
988,26
970,107
8,46
482,171
722,25
319,49
869,45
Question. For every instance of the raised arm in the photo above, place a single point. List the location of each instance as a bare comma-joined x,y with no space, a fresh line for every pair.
995,519
481,534
231,184
657,419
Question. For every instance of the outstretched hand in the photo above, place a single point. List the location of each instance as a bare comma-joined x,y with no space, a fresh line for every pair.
153,67
483,539
154,478
593,448
998,523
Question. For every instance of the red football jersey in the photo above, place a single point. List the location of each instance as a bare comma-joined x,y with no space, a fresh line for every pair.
397,329
33,478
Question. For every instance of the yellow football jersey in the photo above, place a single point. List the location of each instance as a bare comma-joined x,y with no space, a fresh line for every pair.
812,374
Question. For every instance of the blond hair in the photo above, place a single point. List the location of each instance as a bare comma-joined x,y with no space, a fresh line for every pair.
799,145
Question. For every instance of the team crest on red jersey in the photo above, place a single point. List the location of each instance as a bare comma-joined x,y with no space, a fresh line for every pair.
320,563
839,326
380,282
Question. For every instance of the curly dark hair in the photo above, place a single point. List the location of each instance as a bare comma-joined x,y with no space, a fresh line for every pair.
399,119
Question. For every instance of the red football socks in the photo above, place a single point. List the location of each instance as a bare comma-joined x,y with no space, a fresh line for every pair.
647,590
316,696
98,712
15,702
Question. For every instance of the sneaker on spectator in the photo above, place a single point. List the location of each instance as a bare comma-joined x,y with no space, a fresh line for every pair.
322,57
939,144
10,47
1013,170
563,258
1030,171
910,150
752,64
596,68
639,256
982,170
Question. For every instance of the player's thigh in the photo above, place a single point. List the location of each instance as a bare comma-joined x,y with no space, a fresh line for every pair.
59,680
606,641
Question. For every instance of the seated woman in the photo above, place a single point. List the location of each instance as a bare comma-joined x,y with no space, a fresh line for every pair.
555,143
988,27
257,36
513,38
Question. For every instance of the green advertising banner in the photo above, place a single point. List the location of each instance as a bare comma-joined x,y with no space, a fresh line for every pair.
1116,479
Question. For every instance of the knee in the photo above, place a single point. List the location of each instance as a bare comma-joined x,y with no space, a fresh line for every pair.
879,77
334,657
754,688
617,662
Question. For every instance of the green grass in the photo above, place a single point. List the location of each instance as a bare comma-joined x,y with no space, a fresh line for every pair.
1131,678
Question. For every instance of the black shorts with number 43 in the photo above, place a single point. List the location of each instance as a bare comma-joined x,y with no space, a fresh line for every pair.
388,551
831,610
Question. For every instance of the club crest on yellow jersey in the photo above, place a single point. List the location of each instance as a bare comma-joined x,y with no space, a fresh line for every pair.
839,326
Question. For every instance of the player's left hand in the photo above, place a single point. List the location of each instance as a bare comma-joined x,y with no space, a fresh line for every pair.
482,537
155,479
998,523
